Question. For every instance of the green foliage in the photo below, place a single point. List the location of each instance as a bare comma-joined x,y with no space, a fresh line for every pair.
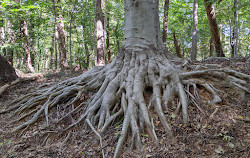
40,17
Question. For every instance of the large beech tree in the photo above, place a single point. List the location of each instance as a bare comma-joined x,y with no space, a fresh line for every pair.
142,65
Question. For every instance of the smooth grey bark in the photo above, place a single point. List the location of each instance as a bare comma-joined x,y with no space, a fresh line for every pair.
142,26
234,53
195,23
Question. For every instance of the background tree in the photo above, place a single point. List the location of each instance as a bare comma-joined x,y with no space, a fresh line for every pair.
194,37
165,22
214,27
100,32
235,31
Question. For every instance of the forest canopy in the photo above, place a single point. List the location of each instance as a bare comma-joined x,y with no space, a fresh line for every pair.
50,24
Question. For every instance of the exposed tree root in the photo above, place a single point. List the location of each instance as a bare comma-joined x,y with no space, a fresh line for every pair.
6,86
120,88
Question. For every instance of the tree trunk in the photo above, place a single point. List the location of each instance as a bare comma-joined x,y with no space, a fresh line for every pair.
142,26
165,23
87,54
2,35
195,23
133,90
9,52
56,46
214,27
177,46
32,45
116,35
26,46
61,44
211,47
7,72
107,40
100,33
234,53
70,42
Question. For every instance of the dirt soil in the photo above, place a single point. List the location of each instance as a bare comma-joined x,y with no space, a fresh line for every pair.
225,134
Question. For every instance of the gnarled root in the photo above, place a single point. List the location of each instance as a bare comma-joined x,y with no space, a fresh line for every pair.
119,89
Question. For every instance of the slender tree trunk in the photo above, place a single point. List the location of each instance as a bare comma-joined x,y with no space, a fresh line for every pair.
55,46
165,23
107,40
230,35
117,36
211,47
177,46
61,43
195,23
214,27
52,50
9,52
70,43
183,51
100,33
87,54
39,54
10,55
26,46
32,45
235,31
2,35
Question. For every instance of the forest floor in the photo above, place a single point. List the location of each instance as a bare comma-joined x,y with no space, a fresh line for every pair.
226,134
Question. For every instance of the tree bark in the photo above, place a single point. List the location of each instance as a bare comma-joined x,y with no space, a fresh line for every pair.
107,40
177,46
70,42
2,35
234,53
61,43
9,52
26,46
211,47
87,54
165,23
195,23
56,35
214,27
100,33
32,44
142,26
